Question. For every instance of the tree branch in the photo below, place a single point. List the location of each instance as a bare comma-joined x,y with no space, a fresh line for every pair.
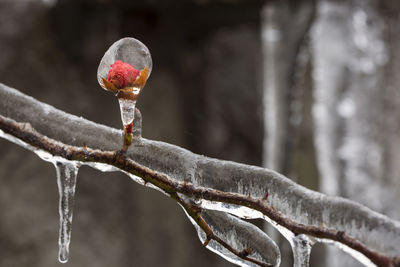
177,171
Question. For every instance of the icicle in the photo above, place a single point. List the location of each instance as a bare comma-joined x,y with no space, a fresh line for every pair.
127,108
301,246
66,180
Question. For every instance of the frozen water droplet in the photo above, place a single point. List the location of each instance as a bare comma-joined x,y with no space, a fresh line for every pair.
66,180
127,108
63,254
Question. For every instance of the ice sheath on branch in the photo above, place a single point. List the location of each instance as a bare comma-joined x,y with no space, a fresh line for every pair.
203,183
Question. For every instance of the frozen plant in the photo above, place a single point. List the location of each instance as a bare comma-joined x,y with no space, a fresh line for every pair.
124,70
216,195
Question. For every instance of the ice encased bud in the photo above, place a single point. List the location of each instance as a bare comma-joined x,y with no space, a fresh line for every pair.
124,70
128,50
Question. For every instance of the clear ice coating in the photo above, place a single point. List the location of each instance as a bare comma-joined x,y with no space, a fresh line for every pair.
301,246
297,203
124,70
127,108
66,180
128,50
236,233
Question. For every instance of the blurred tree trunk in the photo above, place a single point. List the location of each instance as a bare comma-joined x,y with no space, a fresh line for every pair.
339,91
356,108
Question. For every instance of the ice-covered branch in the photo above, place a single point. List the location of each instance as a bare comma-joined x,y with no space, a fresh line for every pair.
207,183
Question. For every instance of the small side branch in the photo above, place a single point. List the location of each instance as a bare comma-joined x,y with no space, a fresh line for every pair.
194,211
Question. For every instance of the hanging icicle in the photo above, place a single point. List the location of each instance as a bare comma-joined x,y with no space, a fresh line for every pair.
66,180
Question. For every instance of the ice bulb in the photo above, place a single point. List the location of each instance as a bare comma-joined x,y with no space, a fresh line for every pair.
124,70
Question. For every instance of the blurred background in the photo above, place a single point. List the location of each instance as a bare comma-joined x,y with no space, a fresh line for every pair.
307,88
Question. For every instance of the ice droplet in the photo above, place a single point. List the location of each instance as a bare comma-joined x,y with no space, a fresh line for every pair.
128,50
66,180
